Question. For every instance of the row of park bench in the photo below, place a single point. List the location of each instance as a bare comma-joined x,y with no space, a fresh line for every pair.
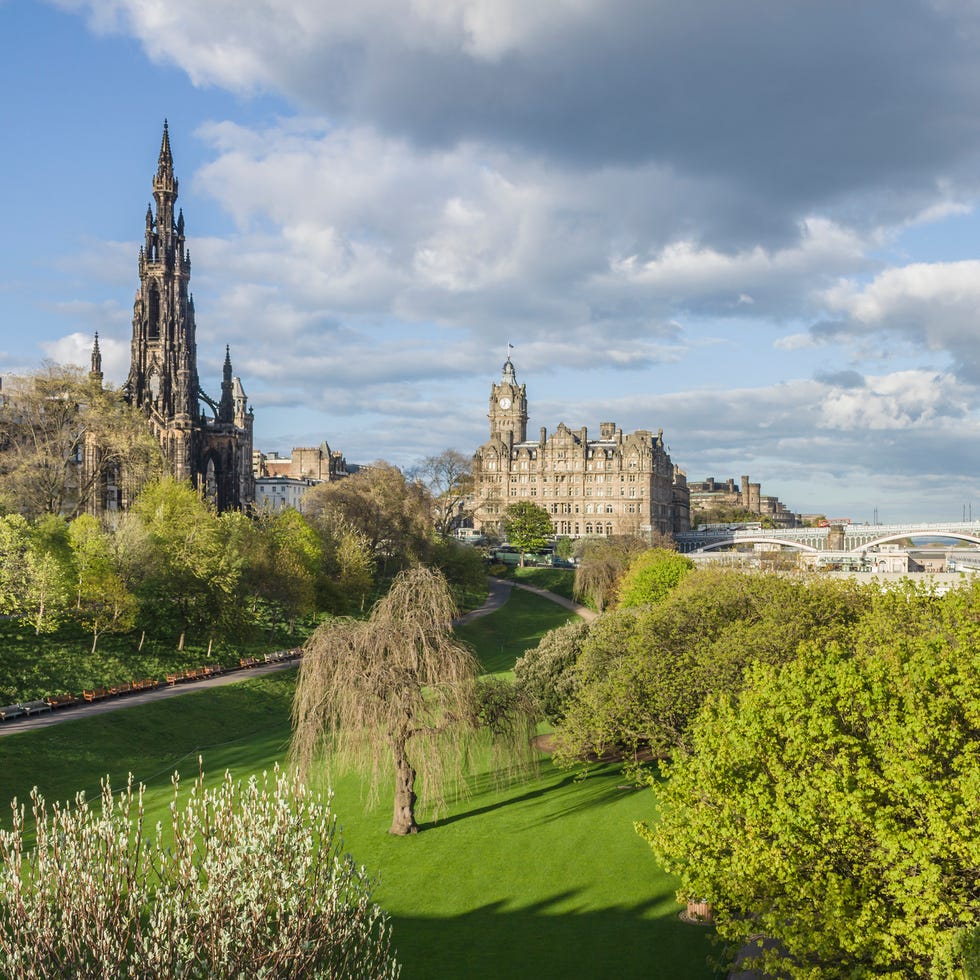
29,709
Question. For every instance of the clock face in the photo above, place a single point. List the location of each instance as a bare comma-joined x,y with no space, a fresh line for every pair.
505,403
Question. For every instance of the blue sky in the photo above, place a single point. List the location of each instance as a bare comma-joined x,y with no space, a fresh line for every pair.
753,225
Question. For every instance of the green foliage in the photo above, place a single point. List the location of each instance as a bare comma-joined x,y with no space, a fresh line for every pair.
390,515
643,674
177,558
249,880
50,572
464,570
564,547
832,806
546,673
103,603
650,575
527,526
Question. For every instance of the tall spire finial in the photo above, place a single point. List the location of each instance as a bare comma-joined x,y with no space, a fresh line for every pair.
96,372
166,161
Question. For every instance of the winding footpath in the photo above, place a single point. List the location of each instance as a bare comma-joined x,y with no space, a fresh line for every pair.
498,593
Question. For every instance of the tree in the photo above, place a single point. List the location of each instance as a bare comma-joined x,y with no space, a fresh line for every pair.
395,688
448,477
831,807
527,526
35,570
280,557
248,880
177,558
651,575
61,435
103,603
392,515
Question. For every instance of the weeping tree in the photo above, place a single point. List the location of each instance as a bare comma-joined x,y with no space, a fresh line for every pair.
399,689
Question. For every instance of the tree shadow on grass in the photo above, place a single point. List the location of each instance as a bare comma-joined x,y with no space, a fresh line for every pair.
594,790
545,940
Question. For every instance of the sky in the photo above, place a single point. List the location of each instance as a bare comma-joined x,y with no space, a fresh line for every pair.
754,225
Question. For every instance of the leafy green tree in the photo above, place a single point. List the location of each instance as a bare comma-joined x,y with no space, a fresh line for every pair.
280,559
528,527
35,571
651,575
464,569
103,603
831,808
397,688
183,573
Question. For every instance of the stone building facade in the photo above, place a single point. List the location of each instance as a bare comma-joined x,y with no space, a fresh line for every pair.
712,494
211,446
615,484
281,482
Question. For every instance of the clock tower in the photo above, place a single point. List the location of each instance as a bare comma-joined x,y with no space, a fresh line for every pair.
508,408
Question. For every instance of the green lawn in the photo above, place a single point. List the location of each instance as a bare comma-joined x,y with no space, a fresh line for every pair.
499,639
538,880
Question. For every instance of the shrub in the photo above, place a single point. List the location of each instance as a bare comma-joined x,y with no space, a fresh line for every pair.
546,673
651,575
251,880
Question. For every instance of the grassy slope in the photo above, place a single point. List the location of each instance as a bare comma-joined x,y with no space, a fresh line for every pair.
542,879
499,639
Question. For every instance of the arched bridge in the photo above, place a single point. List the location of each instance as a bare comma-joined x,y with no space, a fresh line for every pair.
856,537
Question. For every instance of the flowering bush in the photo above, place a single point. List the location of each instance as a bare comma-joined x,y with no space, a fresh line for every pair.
250,880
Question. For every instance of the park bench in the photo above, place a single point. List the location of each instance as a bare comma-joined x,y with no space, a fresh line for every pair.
146,684
247,662
35,707
95,694
12,711
173,678
192,674
61,700
212,670
118,689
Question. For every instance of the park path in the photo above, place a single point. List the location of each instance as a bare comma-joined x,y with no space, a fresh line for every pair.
499,592
497,595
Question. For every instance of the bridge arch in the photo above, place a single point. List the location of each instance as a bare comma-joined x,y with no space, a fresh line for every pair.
901,536
761,539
